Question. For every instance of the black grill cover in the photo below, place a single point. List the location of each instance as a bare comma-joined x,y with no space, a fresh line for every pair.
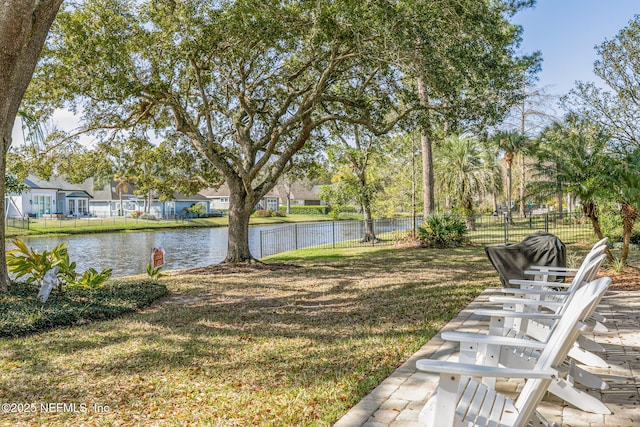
536,249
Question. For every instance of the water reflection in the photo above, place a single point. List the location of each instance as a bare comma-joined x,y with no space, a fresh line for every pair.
128,253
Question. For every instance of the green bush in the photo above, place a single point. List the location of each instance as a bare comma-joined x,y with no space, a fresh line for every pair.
21,313
308,210
263,213
611,223
442,230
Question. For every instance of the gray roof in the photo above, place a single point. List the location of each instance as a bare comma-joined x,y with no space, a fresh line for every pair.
300,191
58,184
109,193
223,191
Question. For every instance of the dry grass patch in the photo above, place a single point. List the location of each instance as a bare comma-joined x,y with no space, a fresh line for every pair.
290,346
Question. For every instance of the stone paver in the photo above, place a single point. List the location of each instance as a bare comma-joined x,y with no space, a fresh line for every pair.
397,401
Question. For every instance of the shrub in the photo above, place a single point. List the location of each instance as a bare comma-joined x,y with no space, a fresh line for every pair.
442,231
279,213
22,314
148,216
197,210
308,210
263,213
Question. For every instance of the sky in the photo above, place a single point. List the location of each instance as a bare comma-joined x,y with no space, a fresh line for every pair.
566,32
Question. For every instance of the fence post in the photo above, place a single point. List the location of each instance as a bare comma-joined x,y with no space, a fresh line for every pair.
261,243
506,230
295,234
333,234
546,222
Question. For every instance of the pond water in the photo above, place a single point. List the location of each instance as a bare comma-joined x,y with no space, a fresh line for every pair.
128,253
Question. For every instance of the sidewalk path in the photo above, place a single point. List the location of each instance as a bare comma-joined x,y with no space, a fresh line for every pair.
397,401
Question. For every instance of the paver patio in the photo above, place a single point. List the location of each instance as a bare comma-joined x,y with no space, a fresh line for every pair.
397,401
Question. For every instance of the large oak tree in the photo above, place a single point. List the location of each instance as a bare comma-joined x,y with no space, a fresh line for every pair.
248,83
24,25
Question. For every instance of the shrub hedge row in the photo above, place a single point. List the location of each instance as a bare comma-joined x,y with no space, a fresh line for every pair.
307,210
21,313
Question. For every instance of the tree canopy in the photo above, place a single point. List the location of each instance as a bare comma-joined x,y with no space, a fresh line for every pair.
247,83
615,107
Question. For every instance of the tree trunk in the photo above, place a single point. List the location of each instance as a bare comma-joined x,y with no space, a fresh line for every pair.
629,216
240,209
24,25
523,177
470,221
369,232
494,201
560,198
4,273
427,152
590,210
508,157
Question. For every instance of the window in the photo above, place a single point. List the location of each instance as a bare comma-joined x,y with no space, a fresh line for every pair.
82,207
41,204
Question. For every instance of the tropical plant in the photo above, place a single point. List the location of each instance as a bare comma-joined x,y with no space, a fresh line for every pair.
442,231
622,184
33,265
91,278
154,272
462,173
23,261
573,157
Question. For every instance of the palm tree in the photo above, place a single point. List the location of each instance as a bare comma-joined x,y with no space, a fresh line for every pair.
573,157
624,180
510,143
463,172
123,182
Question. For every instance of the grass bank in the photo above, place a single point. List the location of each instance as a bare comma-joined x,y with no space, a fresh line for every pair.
100,225
293,346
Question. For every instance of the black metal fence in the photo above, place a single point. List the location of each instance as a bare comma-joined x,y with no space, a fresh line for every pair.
17,222
335,234
489,230
570,227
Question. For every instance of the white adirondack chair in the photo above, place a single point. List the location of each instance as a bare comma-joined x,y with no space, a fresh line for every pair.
538,325
540,271
463,400
555,301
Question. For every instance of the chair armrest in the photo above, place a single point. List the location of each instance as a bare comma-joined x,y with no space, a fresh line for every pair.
539,283
550,273
527,302
533,292
444,367
492,340
514,314
552,268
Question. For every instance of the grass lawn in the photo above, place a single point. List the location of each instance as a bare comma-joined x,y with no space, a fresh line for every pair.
97,225
292,346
